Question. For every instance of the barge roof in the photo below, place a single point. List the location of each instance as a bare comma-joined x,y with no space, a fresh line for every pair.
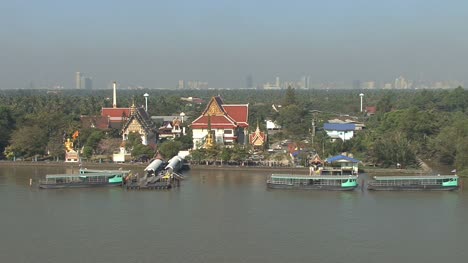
103,174
415,177
315,177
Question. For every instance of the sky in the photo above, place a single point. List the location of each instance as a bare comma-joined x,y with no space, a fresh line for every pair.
156,43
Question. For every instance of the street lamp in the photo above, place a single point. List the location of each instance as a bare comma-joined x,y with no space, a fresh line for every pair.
361,95
146,95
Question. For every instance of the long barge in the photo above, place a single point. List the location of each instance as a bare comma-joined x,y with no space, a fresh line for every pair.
414,183
307,182
85,178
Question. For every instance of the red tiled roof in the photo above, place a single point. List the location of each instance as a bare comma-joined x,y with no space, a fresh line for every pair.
99,122
216,122
115,114
371,109
232,116
239,113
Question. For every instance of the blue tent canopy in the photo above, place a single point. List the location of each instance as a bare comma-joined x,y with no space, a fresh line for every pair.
341,158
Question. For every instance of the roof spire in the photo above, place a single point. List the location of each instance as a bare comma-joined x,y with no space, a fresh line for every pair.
133,108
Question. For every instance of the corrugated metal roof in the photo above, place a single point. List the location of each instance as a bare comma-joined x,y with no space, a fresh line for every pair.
339,126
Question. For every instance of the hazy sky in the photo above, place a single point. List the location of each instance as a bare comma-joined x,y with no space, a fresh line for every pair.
156,43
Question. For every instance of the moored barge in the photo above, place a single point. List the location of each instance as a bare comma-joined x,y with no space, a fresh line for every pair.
411,183
83,179
307,182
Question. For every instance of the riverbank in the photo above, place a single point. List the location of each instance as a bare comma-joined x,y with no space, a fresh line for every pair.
141,166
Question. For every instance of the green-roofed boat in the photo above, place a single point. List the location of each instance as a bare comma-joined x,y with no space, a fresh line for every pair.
307,182
86,178
418,182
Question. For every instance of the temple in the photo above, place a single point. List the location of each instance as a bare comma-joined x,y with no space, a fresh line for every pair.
227,122
258,139
110,117
139,122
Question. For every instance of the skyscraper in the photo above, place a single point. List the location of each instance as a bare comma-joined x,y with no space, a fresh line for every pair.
88,83
181,84
78,80
356,84
249,81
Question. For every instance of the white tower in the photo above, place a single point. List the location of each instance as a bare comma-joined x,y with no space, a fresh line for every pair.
114,100
361,95
146,95
182,115
78,80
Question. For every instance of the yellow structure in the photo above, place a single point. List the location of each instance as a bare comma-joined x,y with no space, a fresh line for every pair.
69,145
71,156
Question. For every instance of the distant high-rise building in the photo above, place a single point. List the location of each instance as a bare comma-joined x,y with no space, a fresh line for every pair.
400,83
88,83
249,82
278,82
356,84
387,86
78,80
181,84
305,82
369,84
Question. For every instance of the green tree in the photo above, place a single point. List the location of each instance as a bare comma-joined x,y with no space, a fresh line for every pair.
88,151
29,141
226,154
94,138
394,148
385,104
290,97
168,149
293,120
6,127
141,151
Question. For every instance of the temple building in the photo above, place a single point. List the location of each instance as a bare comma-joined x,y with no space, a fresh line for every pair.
116,116
110,117
139,122
171,129
258,139
227,122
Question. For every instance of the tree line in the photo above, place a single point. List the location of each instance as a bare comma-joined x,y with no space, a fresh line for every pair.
426,123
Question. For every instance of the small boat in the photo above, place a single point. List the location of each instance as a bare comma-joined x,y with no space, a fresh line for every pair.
83,179
418,182
307,182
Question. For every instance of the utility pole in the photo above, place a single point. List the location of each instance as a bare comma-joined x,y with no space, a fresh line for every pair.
314,116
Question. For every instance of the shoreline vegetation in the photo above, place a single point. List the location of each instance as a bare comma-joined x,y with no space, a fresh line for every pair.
140,166
400,128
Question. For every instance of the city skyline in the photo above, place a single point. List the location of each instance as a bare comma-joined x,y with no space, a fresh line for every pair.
156,44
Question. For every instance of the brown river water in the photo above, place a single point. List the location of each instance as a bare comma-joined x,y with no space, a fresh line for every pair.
226,216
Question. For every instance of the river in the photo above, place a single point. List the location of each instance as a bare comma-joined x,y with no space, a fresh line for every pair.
226,216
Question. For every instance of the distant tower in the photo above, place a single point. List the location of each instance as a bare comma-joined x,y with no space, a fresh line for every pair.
88,83
278,82
114,100
146,95
361,95
181,84
78,80
356,84
249,81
